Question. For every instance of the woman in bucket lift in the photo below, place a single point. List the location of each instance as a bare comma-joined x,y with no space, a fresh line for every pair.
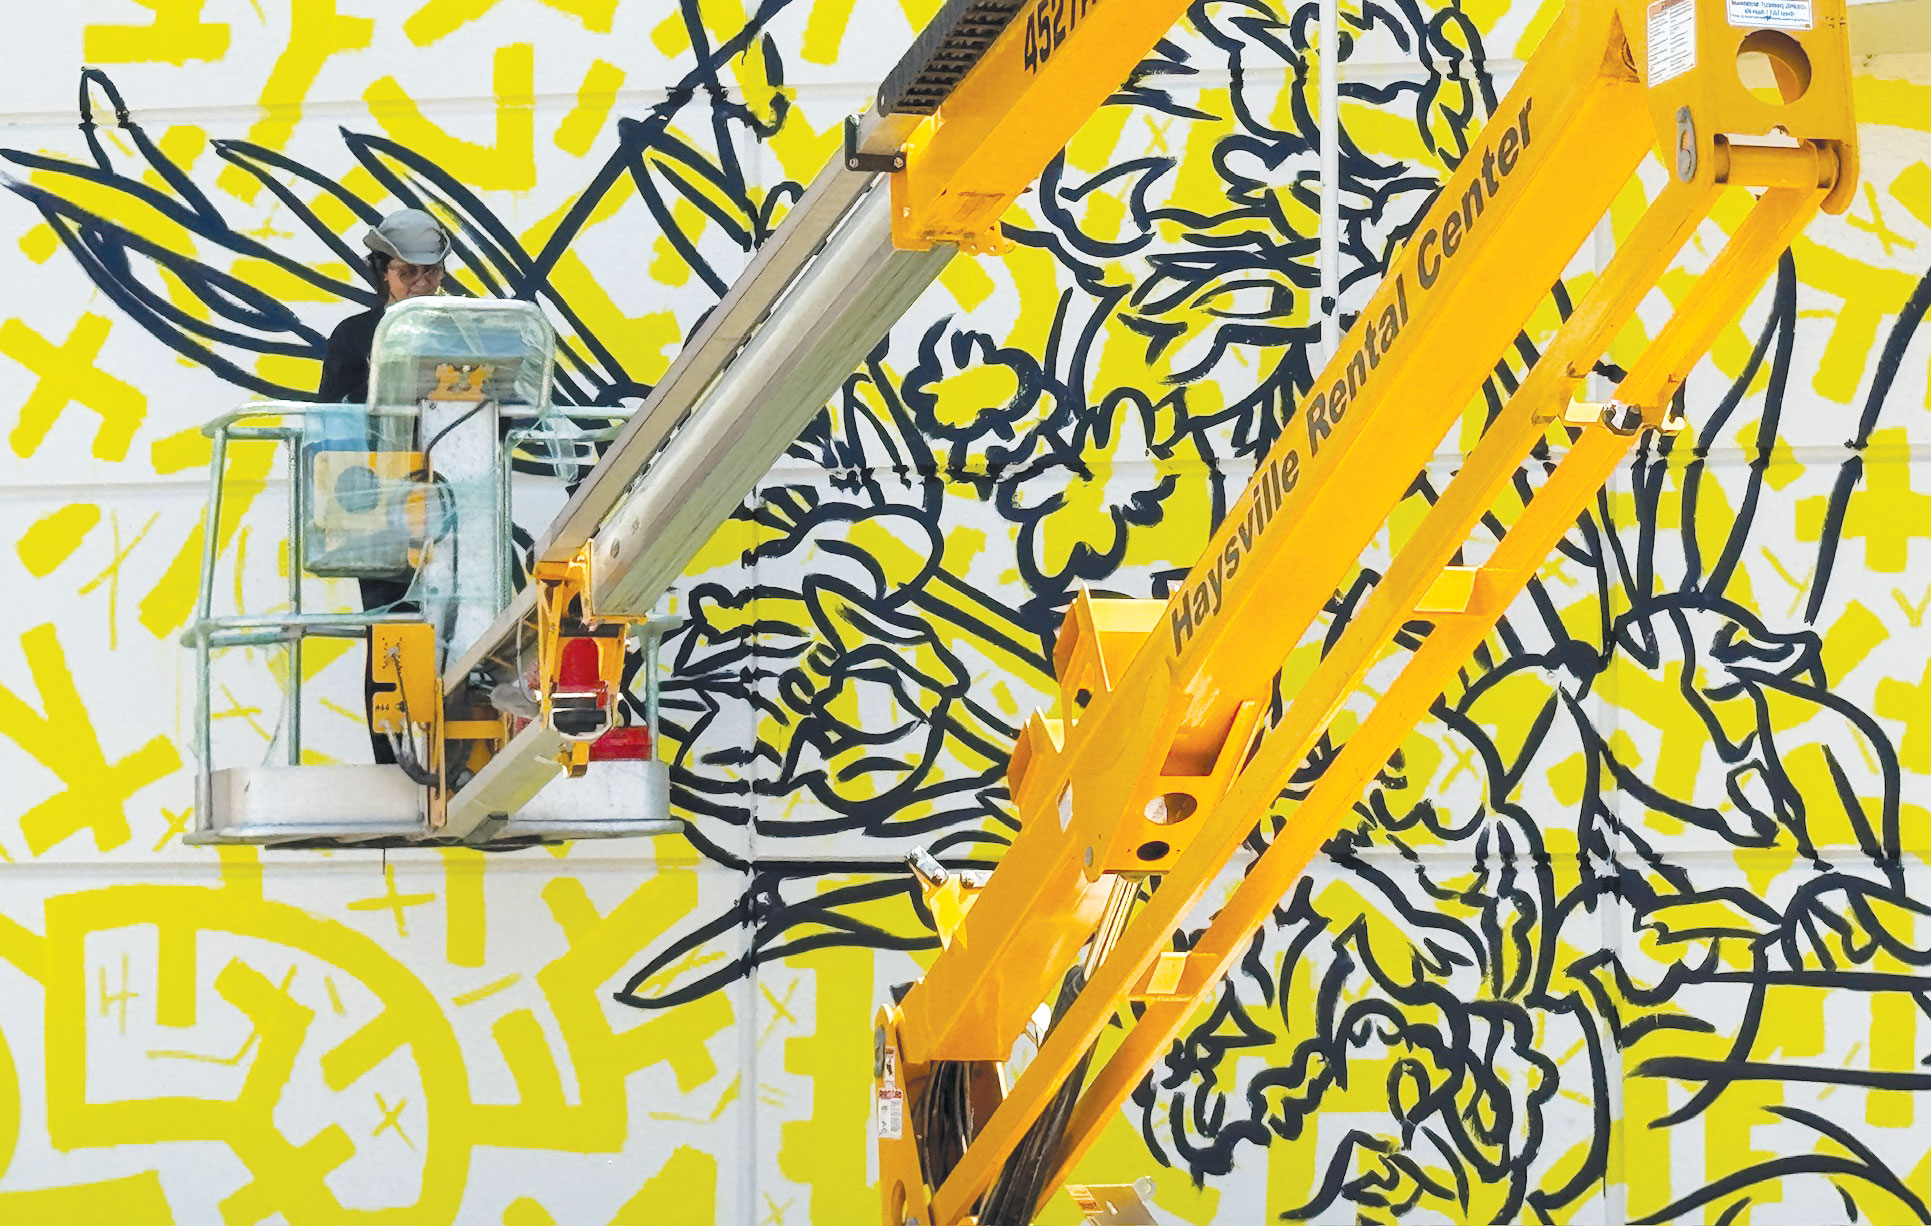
406,254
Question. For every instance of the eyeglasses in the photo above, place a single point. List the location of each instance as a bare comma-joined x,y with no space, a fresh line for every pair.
409,273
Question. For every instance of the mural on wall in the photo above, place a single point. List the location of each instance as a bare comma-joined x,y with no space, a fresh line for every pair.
1633,929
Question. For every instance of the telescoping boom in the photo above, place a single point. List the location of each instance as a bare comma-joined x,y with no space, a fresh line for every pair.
1164,757
964,123
873,229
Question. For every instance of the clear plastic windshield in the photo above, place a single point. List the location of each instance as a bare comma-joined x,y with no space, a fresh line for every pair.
493,349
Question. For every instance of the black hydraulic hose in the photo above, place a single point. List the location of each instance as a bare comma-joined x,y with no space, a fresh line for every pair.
1022,1181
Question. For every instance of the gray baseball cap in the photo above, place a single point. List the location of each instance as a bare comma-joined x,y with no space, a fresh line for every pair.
410,235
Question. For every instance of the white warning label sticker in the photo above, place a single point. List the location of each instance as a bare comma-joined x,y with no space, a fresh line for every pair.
1672,39
1774,14
891,1100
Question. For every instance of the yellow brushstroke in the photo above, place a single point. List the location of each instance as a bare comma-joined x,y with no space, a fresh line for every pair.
1912,187
1893,1035
316,33
391,900
578,130
1851,638
68,375
1885,513
95,792
329,209
525,1211
392,1120
667,264
112,575
508,164
825,27
182,144
177,820
167,605
52,538
183,451
132,1200
682,1193
602,946
1909,703
9,1105
176,35
1866,297
643,341
440,18
39,243
234,1061
814,1147
486,991
464,919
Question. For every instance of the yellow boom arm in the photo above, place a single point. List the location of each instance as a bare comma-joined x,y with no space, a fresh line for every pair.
1164,759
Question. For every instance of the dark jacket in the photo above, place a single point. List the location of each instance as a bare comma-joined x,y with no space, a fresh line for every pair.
345,363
